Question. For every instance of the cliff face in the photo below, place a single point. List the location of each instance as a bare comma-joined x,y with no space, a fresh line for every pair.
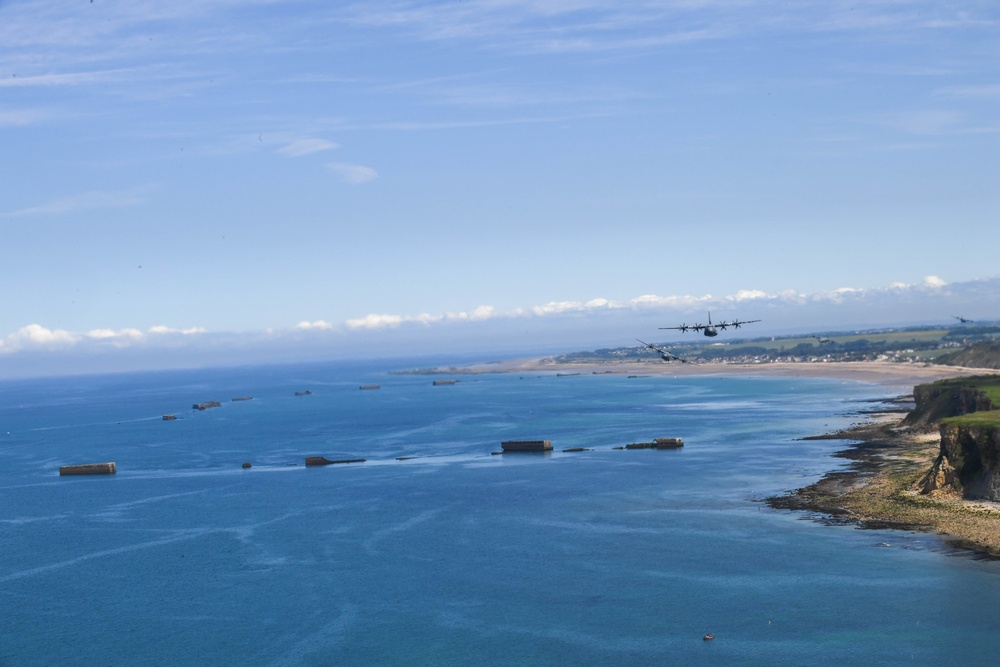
941,400
969,463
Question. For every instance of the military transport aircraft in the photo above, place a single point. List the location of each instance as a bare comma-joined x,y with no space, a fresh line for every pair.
664,354
712,329
822,339
963,320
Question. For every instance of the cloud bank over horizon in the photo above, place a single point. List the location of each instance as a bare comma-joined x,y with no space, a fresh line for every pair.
596,322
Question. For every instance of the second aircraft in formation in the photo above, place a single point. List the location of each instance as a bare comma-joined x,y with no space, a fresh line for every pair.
666,355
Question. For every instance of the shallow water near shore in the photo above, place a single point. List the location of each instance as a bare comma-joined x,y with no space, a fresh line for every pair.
454,556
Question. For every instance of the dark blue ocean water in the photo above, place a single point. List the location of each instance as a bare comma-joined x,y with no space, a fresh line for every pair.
455,557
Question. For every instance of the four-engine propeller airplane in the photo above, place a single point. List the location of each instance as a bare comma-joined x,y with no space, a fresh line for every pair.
666,355
963,320
712,329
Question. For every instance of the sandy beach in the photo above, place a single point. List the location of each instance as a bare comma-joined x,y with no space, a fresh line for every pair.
877,372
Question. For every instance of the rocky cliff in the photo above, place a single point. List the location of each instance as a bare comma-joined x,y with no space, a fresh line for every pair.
969,462
947,398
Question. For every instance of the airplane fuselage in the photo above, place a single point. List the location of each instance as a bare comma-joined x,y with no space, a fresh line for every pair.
710,331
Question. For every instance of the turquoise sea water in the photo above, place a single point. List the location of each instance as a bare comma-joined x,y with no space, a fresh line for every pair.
456,556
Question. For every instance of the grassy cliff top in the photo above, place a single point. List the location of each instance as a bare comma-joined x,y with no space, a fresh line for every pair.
988,385
981,418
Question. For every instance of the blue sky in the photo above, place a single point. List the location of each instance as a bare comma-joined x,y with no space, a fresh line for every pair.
181,172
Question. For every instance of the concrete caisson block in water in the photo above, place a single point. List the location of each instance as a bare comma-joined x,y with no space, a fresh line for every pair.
89,469
639,445
323,461
658,443
526,445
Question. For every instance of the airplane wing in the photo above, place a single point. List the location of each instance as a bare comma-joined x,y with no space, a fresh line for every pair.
736,324
685,327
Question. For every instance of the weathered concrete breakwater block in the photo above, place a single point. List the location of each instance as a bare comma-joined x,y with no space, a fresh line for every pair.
323,461
89,469
658,443
526,446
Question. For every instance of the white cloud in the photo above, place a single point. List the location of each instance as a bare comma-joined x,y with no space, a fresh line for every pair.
375,322
482,313
134,334
603,310
747,295
646,303
556,307
307,147
599,303
39,337
163,330
355,174
651,301
35,335
317,325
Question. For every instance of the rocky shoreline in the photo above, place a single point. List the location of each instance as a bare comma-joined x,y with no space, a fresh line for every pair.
879,489
888,459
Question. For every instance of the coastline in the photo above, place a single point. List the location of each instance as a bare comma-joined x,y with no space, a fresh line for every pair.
886,373
878,490
887,459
